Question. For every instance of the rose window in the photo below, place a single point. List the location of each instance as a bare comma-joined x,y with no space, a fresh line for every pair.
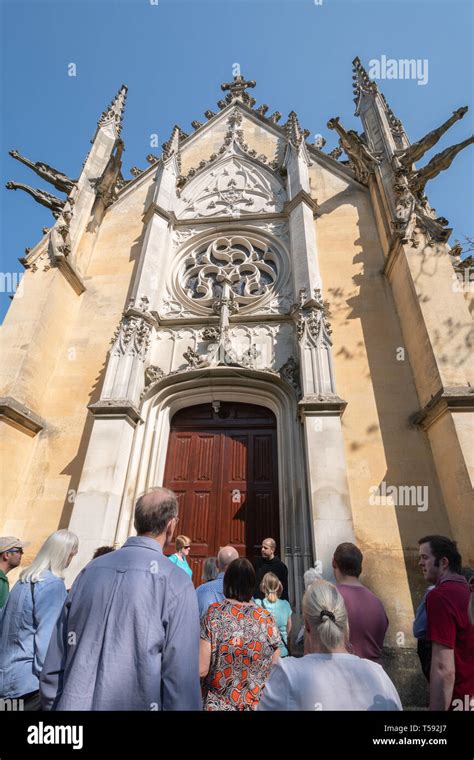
245,267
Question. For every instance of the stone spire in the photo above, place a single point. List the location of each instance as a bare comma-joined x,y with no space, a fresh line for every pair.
367,96
172,145
114,113
362,84
293,130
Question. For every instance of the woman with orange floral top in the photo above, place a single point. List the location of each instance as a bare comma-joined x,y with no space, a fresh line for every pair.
239,644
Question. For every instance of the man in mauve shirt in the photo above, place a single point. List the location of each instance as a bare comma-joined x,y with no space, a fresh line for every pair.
449,628
368,621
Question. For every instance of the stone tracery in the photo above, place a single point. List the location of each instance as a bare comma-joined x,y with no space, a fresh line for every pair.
248,266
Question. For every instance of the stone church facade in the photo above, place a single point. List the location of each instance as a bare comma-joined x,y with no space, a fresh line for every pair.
272,332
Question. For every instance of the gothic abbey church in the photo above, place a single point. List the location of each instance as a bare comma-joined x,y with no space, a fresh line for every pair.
279,334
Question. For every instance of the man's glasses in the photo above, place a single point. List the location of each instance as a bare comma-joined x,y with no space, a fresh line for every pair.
12,551
186,547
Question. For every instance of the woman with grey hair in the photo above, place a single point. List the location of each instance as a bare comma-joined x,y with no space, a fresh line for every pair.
209,570
29,616
327,677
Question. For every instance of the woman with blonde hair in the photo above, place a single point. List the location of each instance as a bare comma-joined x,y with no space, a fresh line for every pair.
280,609
29,616
180,558
327,677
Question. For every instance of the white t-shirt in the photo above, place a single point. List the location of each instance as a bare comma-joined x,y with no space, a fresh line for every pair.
328,682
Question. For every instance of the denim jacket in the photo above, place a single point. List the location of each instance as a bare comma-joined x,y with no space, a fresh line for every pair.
25,633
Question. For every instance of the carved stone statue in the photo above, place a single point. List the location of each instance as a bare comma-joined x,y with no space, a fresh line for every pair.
194,360
438,163
355,148
41,196
416,151
59,180
107,185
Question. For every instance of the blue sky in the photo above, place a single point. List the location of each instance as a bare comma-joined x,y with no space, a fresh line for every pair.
173,56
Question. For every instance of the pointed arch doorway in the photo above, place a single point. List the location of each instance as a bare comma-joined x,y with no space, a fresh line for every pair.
222,464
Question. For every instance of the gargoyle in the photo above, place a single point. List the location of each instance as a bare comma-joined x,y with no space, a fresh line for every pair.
56,178
41,196
438,163
416,151
355,148
107,185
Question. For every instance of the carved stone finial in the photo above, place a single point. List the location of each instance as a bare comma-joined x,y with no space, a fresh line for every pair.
275,117
336,152
114,113
196,124
237,88
135,171
293,130
152,159
262,110
209,114
455,250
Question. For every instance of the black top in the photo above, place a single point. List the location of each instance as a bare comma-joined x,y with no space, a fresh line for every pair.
275,566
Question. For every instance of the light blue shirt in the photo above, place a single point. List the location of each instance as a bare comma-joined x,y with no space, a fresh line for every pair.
128,636
210,592
182,563
280,612
25,635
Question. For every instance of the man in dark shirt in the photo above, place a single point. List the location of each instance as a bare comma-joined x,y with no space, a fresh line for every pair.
270,564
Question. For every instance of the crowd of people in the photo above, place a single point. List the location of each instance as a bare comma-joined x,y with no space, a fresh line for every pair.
226,645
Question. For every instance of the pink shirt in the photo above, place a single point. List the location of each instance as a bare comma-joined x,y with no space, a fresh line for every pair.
368,622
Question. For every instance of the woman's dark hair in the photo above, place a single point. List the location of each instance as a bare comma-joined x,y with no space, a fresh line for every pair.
239,580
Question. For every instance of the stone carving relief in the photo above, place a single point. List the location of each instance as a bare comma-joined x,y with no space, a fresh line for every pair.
312,324
234,187
262,347
132,336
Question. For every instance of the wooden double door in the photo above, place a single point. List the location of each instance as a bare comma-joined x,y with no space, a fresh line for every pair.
222,464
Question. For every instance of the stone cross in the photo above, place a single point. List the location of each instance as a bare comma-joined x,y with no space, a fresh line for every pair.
238,86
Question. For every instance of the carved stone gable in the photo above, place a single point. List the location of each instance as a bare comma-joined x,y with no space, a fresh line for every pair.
233,187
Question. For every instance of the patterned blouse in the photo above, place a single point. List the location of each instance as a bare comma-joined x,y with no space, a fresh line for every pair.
243,638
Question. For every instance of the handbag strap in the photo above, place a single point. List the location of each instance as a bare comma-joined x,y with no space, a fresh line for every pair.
32,598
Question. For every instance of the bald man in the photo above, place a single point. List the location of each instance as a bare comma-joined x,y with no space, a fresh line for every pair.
269,563
213,591
128,635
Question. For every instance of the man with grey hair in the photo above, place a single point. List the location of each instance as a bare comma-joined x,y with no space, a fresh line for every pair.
128,635
213,591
